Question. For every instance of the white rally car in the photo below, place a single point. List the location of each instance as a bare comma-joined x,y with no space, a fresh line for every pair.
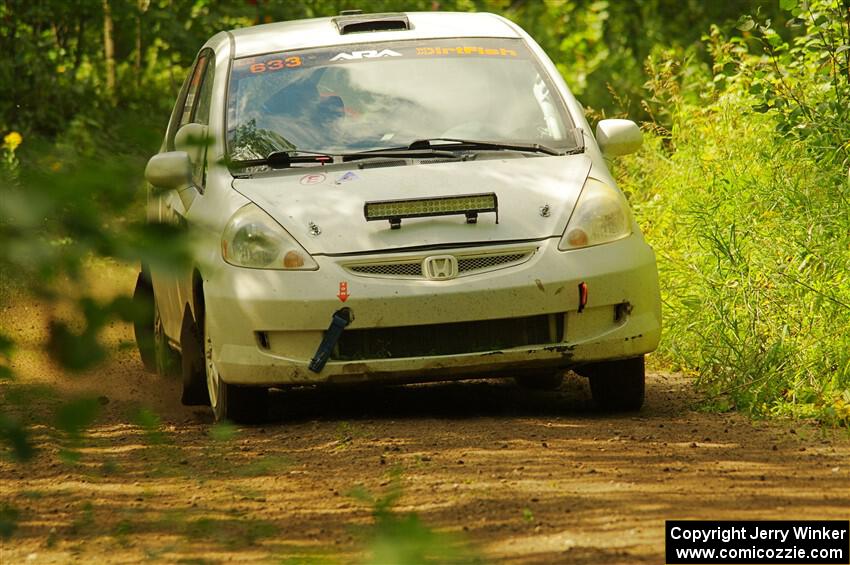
392,198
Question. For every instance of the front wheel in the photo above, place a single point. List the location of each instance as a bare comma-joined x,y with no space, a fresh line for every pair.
154,349
241,404
168,361
143,324
194,365
617,385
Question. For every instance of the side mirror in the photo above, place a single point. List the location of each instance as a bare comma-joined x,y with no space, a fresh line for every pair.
618,137
169,171
192,138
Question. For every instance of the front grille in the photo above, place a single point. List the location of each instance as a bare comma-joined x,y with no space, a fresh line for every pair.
470,264
449,339
466,265
394,270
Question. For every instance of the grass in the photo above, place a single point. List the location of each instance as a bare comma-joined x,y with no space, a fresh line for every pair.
263,466
232,533
402,538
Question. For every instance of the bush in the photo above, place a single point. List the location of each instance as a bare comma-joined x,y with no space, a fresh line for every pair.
746,202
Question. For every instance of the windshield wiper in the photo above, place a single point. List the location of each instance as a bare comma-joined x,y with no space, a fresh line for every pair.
401,153
455,144
458,144
285,159
435,147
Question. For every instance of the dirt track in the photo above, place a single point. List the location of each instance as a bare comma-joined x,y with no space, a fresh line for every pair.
520,476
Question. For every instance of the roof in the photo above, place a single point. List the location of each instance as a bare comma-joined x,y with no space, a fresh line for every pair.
321,32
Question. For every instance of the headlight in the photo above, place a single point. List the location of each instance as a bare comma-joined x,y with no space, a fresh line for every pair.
601,216
253,239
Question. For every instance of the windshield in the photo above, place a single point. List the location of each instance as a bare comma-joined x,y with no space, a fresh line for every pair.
365,97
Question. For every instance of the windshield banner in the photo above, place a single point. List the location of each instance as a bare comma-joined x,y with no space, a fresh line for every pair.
348,54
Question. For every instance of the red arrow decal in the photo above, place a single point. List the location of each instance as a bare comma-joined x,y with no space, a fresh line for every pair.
343,291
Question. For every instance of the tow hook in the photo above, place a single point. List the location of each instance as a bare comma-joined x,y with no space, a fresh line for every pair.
341,319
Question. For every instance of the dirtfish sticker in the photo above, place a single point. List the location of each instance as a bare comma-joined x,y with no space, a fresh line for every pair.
368,54
468,50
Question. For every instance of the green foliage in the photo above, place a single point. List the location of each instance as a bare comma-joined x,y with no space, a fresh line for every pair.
151,426
76,416
231,533
73,418
85,521
746,200
62,204
782,80
223,432
600,45
14,434
402,538
8,520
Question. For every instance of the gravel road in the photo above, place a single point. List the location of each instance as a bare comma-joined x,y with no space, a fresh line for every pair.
498,471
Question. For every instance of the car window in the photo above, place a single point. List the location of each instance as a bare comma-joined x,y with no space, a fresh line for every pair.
183,106
202,112
389,94
201,115
192,93
197,100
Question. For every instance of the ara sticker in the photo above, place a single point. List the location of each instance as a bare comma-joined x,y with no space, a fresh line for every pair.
347,177
313,179
368,54
343,291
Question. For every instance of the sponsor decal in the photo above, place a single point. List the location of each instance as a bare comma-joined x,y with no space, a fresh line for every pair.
315,178
368,54
467,50
347,177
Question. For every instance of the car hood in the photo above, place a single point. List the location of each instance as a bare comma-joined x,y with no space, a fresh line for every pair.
323,208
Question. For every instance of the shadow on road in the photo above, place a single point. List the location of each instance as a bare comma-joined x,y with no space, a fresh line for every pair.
453,400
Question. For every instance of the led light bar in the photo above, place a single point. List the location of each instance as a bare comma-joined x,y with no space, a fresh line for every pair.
469,205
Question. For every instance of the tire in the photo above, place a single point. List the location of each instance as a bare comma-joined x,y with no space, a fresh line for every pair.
154,350
240,404
193,366
143,324
617,386
167,361
541,381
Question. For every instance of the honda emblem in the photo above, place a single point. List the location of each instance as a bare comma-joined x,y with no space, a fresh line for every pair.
440,267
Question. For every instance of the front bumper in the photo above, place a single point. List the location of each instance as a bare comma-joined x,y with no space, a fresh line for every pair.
266,325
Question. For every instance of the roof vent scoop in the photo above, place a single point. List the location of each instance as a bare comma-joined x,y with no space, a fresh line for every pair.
364,23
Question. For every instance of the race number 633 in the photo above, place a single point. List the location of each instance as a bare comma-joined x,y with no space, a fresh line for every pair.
276,65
